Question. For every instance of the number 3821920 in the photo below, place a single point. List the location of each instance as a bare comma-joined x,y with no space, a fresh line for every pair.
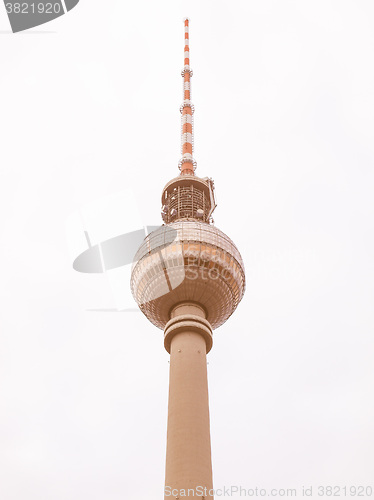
33,8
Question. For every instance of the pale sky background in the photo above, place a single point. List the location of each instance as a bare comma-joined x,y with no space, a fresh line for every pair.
284,124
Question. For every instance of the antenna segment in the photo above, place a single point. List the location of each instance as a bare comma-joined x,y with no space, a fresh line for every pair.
187,164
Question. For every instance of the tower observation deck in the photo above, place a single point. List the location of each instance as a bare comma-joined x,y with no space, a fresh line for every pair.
188,278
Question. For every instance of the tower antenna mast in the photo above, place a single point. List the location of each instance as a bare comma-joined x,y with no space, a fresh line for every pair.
187,163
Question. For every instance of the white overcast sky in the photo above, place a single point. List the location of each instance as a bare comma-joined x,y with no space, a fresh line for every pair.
284,123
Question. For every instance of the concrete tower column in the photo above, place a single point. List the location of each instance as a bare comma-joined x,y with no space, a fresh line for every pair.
188,338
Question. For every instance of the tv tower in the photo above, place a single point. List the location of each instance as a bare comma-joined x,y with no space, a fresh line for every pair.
188,278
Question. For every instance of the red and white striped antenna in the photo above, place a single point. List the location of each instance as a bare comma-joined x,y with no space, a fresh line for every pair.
187,164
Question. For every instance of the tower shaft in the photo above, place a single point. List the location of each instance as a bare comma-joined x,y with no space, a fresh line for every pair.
188,455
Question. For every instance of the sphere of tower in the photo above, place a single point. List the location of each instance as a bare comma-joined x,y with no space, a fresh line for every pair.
188,261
